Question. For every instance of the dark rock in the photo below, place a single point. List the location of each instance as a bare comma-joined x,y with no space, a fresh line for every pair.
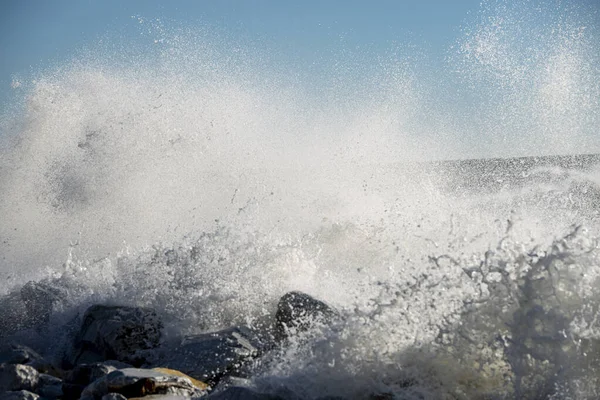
230,381
16,354
28,307
210,356
242,393
39,299
297,312
72,390
82,375
18,377
19,395
13,314
87,373
50,387
133,382
118,333
166,397
114,396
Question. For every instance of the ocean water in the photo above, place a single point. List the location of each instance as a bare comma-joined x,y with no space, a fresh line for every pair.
204,178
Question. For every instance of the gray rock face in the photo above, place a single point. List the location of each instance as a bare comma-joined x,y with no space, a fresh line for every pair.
117,333
133,382
297,311
210,356
19,395
18,377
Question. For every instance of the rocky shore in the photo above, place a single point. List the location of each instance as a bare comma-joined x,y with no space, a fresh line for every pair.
118,352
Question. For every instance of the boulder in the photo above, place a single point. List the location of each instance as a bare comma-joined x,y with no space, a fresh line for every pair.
19,395
28,307
165,397
297,312
114,396
134,382
13,353
18,377
242,393
39,299
85,374
116,333
50,387
230,381
195,382
82,375
211,356
13,314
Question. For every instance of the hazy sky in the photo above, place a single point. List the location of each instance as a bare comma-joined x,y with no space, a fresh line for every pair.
35,34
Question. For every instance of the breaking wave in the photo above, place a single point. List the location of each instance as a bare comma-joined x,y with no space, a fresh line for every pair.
196,175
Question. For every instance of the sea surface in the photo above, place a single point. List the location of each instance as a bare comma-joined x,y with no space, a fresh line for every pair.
449,211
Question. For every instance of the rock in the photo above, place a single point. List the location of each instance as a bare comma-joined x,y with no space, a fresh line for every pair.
119,333
114,396
19,395
87,373
242,393
13,314
165,397
16,354
18,377
28,307
134,382
50,387
195,382
82,375
230,381
210,356
72,390
297,312
39,299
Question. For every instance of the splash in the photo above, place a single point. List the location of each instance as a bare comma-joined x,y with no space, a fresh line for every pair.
196,175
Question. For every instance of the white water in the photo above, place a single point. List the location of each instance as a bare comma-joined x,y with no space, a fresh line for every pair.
202,179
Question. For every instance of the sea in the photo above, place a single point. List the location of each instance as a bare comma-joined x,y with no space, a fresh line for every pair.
448,208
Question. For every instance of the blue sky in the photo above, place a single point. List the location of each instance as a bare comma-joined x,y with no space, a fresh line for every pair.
37,34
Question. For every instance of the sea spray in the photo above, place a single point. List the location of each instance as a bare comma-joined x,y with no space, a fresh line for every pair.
196,176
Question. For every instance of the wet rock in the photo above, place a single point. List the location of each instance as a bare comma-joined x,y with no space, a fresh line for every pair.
39,299
72,390
134,382
13,314
165,397
87,373
230,381
119,333
19,395
50,387
195,382
16,354
242,393
114,396
18,377
82,375
210,356
297,312
27,307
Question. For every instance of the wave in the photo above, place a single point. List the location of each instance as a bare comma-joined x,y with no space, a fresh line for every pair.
195,175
